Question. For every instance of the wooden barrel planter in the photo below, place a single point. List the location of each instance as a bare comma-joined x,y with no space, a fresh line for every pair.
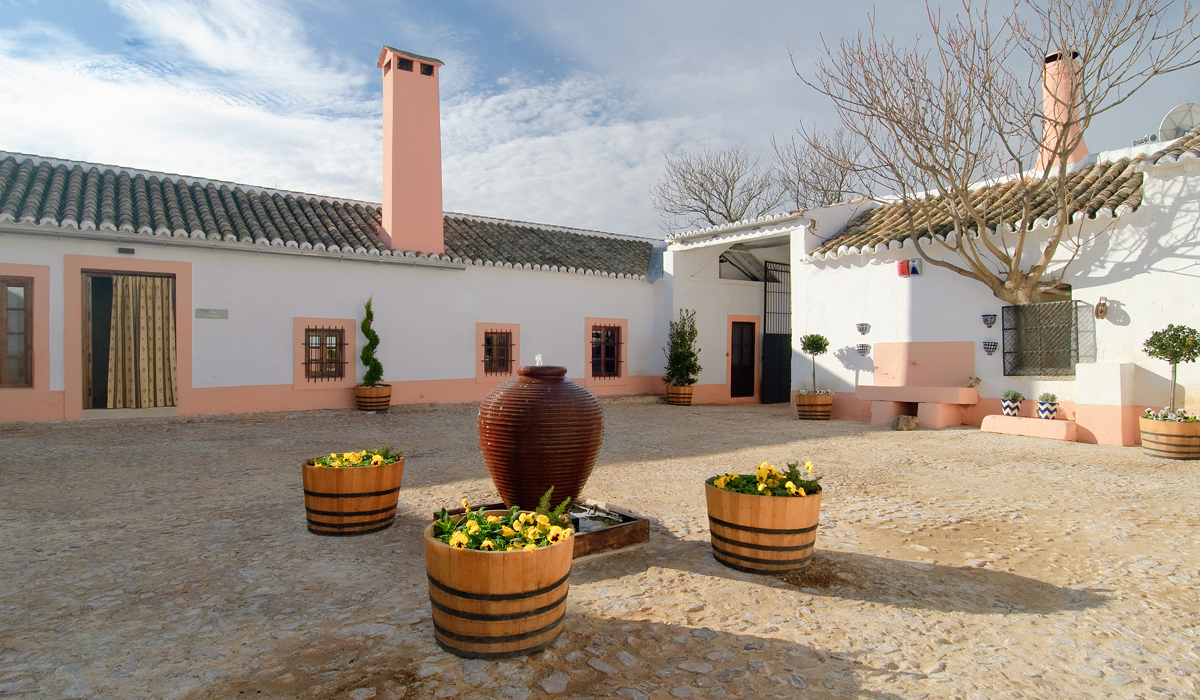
679,395
1170,439
496,605
351,500
814,406
373,398
762,534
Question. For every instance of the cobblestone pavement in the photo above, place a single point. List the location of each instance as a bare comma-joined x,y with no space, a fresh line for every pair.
168,558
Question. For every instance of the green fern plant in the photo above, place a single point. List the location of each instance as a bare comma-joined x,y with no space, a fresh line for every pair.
374,373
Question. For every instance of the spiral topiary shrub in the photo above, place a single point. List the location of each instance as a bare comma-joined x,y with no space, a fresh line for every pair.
374,373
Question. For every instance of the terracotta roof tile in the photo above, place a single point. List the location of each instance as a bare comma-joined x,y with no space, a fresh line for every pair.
1188,146
85,196
1112,187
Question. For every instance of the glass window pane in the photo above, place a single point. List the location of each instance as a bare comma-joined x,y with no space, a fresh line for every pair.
16,344
16,321
16,297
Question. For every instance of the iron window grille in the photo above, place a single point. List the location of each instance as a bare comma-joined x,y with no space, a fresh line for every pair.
1047,339
606,351
16,332
497,352
324,353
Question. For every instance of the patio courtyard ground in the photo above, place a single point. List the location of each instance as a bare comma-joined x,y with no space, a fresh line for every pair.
168,558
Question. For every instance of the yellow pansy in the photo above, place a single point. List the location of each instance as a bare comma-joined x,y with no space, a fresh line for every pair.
467,507
376,460
488,545
472,527
525,517
800,492
508,531
543,520
762,487
530,547
556,534
493,518
809,467
791,488
458,540
763,470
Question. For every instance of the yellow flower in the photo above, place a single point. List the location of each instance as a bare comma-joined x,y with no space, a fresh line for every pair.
800,492
493,518
352,457
556,534
472,527
721,481
458,540
530,547
763,470
507,531
762,487
466,506
488,545
543,520
809,467
525,517
791,488
376,460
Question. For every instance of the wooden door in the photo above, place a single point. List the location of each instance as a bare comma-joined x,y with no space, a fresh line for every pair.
741,369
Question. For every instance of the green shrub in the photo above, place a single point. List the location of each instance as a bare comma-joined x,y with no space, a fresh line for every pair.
814,344
374,373
683,357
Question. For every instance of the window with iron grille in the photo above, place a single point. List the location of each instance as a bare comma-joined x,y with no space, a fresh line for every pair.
497,352
606,351
324,353
1047,339
16,332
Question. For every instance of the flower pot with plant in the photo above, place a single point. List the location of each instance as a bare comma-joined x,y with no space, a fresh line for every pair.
498,580
683,359
352,493
1047,406
1010,402
765,522
1172,432
814,404
372,394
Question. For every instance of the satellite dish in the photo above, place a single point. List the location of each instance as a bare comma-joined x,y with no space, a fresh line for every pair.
1179,121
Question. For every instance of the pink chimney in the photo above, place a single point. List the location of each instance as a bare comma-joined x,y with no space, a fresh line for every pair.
1060,95
412,153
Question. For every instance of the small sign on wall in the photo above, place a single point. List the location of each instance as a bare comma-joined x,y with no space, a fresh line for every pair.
212,313
908,268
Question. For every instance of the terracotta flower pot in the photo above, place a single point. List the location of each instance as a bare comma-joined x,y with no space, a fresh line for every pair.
537,430
351,500
495,605
1164,438
762,534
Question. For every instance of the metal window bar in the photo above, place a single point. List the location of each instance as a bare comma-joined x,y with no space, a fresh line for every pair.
324,353
497,352
1047,339
777,300
606,351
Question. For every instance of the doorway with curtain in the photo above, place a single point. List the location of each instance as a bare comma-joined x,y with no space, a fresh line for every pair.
129,352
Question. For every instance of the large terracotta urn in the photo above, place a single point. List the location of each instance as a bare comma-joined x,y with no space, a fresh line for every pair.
537,430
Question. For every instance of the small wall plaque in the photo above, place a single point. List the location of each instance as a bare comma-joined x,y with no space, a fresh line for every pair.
212,313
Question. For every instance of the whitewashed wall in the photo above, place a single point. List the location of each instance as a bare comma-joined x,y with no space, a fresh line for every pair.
425,317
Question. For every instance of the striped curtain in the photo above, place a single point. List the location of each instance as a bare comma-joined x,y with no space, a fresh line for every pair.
142,358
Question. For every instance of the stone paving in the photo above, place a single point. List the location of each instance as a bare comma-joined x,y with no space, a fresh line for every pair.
168,558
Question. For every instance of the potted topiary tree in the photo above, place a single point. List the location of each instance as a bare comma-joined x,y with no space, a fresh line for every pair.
372,394
683,359
816,404
1171,432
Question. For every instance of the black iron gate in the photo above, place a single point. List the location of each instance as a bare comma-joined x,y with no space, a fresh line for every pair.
777,333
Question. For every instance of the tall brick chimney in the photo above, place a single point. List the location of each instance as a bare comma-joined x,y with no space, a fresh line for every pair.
412,153
1060,96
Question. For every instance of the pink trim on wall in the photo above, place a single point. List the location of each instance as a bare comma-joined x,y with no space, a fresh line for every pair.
604,385
37,402
924,364
1108,425
729,321
482,377
300,324
73,269
412,155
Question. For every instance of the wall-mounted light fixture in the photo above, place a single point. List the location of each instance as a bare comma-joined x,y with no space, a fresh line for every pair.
989,346
989,320
863,328
1102,308
863,349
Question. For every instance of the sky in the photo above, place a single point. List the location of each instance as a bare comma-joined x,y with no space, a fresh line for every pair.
553,111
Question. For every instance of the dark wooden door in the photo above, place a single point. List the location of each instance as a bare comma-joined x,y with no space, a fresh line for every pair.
741,370
777,334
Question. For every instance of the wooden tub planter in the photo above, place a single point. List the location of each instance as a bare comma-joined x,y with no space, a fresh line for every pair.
497,605
814,406
679,395
1170,439
344,501
376,398
762,534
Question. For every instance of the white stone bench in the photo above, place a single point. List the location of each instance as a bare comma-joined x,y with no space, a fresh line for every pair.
937,406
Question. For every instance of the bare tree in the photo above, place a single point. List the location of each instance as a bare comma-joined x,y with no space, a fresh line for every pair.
818,177
935,120
712,187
